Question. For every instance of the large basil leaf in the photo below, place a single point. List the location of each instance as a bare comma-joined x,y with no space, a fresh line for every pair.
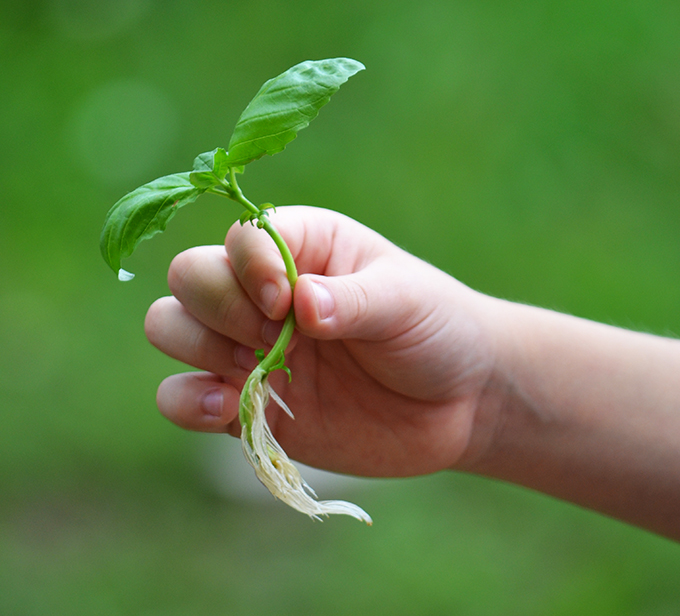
142,214
285,105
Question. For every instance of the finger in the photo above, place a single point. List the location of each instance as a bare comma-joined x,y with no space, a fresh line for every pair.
259,266
200,401
177,333
203,280
321,242
371,304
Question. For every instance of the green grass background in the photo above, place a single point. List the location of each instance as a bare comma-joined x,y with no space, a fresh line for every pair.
531,149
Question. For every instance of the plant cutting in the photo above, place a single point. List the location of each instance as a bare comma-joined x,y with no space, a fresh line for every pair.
282,107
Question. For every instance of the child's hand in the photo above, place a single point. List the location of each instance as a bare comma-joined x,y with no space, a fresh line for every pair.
390,362
398,369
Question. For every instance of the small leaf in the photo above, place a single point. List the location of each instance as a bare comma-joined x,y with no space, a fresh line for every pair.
285,105
204,161
245,217
214,161
220,163
142,214
203,179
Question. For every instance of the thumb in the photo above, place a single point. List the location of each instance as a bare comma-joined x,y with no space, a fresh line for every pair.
364,305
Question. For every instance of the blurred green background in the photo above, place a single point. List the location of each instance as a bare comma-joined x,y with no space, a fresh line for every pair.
529,148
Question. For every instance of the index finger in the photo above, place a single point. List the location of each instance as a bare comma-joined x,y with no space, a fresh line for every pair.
321,242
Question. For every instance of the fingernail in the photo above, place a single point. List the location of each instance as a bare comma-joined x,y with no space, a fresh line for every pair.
324,300
268,296
245,357
213,402
271,331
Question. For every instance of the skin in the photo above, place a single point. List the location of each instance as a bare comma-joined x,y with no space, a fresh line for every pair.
401,370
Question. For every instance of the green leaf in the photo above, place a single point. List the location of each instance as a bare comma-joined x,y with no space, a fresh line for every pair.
204,161
220,163
285,105
203,179
246,216
141,214
214,161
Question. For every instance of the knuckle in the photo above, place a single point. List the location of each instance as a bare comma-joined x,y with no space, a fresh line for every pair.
228,310
358,304
199,347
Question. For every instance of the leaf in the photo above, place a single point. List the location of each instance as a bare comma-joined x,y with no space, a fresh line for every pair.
203,179
214,161
285,105
220,163
246,216
141,214
204,161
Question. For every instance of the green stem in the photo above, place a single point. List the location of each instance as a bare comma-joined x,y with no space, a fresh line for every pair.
265,223
289,262
239,196
278,350
275,357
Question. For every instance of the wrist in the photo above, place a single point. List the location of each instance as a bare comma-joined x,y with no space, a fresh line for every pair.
514,414
520,410
495,395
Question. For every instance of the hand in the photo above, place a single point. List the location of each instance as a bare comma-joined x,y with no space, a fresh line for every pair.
399,369
389,364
